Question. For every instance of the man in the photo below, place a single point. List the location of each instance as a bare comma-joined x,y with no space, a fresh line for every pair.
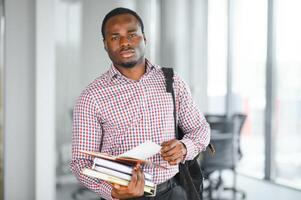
129,105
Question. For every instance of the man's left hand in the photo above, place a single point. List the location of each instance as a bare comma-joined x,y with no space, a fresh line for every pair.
173,151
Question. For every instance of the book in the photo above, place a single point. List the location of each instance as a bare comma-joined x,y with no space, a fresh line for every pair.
112,179
119,174
119,167
136,155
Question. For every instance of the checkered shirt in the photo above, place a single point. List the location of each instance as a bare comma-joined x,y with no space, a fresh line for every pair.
114,114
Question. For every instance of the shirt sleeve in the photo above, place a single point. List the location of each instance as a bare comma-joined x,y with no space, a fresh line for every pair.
191,121
87,135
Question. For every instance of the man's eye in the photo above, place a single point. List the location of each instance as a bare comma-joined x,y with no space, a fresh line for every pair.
131,35
114,38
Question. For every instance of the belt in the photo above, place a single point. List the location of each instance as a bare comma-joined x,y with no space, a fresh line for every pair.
165,186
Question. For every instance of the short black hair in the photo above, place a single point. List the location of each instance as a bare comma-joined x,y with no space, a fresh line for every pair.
118,11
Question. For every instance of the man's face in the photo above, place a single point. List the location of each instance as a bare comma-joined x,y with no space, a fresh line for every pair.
124,41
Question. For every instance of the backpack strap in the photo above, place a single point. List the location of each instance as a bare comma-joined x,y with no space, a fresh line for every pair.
168,74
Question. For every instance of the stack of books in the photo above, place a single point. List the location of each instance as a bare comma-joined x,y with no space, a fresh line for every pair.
119,169
115,172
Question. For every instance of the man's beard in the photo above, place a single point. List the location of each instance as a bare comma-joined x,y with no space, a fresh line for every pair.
128,64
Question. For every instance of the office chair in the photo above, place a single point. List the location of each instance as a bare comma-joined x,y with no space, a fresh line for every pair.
226,140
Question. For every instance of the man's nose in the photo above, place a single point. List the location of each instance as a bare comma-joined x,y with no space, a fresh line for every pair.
124,41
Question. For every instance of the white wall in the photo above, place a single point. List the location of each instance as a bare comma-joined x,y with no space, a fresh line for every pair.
183,44
45,100
19,100
29,164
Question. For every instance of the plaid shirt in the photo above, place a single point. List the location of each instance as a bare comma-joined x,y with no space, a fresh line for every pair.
115,114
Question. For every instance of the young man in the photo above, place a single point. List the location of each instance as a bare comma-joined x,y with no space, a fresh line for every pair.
129,105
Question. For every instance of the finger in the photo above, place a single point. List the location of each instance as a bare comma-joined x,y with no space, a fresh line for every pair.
119,190
169,146
169,143
140,183
116,186
163,144
172,151
137,166
175,162
140,178
177,149
170,155
114,193
119,187
134,178
176,155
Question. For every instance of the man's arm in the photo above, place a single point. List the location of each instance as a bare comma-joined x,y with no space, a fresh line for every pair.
191,121
87,134
193,124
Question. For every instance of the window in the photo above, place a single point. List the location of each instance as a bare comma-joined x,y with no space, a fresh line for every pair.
249,65
217,55
287,111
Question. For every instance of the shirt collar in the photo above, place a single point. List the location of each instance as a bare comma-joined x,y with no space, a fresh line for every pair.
113,71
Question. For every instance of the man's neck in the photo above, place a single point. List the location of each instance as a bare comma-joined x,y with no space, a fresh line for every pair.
134,73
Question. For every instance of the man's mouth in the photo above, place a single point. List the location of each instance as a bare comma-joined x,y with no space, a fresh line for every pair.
126,53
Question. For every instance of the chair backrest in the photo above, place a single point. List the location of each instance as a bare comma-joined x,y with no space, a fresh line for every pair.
238,122
227,149
219,123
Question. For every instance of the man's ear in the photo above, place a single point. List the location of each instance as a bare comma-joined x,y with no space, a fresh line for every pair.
105,44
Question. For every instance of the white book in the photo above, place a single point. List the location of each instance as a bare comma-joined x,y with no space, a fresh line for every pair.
118,167
113,179
137,155
120,174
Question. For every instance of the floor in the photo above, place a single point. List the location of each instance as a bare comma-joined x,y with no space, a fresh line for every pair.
254,188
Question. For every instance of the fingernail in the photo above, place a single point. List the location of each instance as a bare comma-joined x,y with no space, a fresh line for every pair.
116,186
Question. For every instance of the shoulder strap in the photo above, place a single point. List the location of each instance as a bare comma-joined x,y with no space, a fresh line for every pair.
168,74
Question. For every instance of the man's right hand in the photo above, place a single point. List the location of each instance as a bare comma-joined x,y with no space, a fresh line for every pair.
134,189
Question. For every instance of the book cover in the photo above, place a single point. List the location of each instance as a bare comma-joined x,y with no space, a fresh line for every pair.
120,175
113,179
119,167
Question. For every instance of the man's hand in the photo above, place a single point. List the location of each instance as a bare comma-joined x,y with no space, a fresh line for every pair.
135,187
173,151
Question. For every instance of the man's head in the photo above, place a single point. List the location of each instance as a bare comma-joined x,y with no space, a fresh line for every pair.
119,11
123,37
